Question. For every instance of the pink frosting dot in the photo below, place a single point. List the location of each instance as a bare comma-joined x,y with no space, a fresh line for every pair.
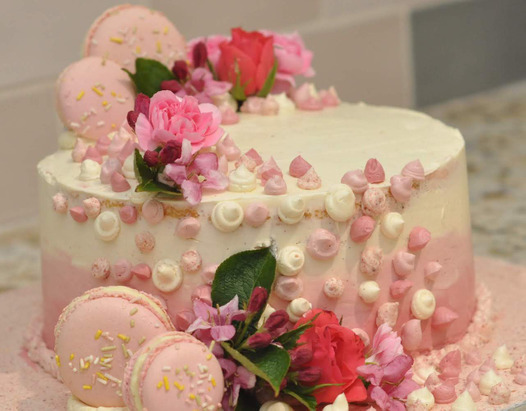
371,260
78,214
401,188
373,202
450,365
256,214
247,161
153,211
403,263
374,172
432,270
415,170
333,288
79,151
208,273
310,180
228,148
411,335
356,180
110,167
92,207
275,186
362,228
399,288
128,214
298,167
101,268
444,393
418,238
387,314
188,227
119,183
122,270
322,244
191,261
202,293
442,317
183,319
92,154
142,271
145,242
60,203
254,155
288,288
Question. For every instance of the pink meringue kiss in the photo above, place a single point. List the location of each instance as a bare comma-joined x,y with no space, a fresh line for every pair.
333,288
191,261
401,188
411,335
322,244
127,151
228,115
363,336
415,170
79,151
472,357
247,161
222,164
373,202
356,180
288,288
298,167
371,260
153,211
418,238
208,273
399,288
403,263
268,169
122,270
374,172
92,207
329,98
202,293
254,155
310,180
183,319
520,378
256,214
387,314
110,167
519,364
444,393
128,214
145,242
78,214
228,148
101,268
362,228
92,154
275,186
60,203
473,391
442,317
432,270
117,143
432,381
102,144
488,365
119,183
142,271
188,228
450,365
499,394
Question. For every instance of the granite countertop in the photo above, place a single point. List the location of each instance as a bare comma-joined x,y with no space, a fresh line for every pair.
494,126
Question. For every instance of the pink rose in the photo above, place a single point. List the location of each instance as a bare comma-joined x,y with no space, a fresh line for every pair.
293,60
212,46
171,118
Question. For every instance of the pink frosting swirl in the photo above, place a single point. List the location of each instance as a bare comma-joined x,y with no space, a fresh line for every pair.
298,167
444,393
404,263
373,202
142,271
399,288
92,207
275,186
310,180
288,288
415,170
371,260
356,180
418,238
202,293
208,273
228,148
145,242
101,268
60,203
411,335
322,244
401,188
374,172
191,261
442,317
128,214
362,228
78,214
122,270
256,214
110,167
153,211
188,227
119,183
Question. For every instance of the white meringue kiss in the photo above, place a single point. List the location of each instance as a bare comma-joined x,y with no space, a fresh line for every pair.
107,225
423,304
291,209
241,180
339,202
89,170
297,308
167,276
227,216
290,260
369,291
392,225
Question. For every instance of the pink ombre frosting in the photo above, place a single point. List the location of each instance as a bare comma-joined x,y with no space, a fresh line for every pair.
401,188
374,172
256,214
275,186
298,167
418,238
322,244
362,228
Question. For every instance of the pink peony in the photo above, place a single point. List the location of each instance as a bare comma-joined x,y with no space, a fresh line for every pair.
171,118
202,86
212,46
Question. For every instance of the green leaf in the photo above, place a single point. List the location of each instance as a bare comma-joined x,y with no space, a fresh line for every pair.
270,364
269,82
289,340
241,273
307,400
142,171
238,90
157,187
149,74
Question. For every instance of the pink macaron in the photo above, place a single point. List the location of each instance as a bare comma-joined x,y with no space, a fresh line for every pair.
126,32
96,335
173,371
93,97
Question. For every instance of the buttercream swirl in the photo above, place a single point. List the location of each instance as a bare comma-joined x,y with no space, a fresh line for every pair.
89,170
291,209
339,202
297,308
167,276
322,244
423,304
227,216
290,260
392,225
107,226
242,180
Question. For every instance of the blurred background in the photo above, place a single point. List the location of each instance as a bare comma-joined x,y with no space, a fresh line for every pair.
462,61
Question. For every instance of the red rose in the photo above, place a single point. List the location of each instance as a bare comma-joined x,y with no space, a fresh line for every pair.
249,55
337,352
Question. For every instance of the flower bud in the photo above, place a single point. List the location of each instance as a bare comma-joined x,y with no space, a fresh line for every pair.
171,85
132,118
259,340
151,158
171,152
142,104
278,319
199,55
301,355
309,375
258,299
180,70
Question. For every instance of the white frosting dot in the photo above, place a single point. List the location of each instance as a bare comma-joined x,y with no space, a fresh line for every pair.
89,170
340,202
339,404
488,380
464,402
242,180
392,225
275,406
297,308
227,216
291,210
422,397
423,304
369,291
167,276
107,226
128,168
290,260
502,358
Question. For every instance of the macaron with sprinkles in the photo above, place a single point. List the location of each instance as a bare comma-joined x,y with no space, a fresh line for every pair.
126,32
174,371
98,333
93,97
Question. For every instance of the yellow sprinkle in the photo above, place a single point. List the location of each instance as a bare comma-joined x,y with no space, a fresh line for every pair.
159,384
113,93
192,396
166,383
104,103
133,311
209,357
71,357
57,359
87,387
142,340
102,376
138,49
123,337
113,125
97,91
117,40
213,381
108,348
125,351
98,334
132,323
80,95
86,365
180,387
158,46
165,30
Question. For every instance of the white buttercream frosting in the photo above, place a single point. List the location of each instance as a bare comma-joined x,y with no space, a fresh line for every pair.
291,209
128,168
339,202
502,358
167,276
392,225
227,216
290,260
369,291
242,179
422,397
107,225
464,402
423,304
286,105
297,308
89,170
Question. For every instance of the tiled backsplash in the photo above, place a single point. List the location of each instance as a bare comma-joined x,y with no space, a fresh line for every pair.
395,52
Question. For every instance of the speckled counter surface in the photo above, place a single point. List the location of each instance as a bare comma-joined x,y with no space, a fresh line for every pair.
494,126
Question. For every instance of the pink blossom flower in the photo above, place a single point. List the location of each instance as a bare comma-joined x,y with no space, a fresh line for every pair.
212,46
236,377
173,118
202,86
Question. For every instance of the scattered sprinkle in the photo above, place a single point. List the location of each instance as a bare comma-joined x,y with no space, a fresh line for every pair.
71,356
117,40
104,103
102,376
80,95
97,91
209,357
158,47
179,386
165,30
103,382
167,368
132,323
166,383
86,387
108,348
142,340
213,381
159,384
125,351
57,359
124,338
107,107
134,311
